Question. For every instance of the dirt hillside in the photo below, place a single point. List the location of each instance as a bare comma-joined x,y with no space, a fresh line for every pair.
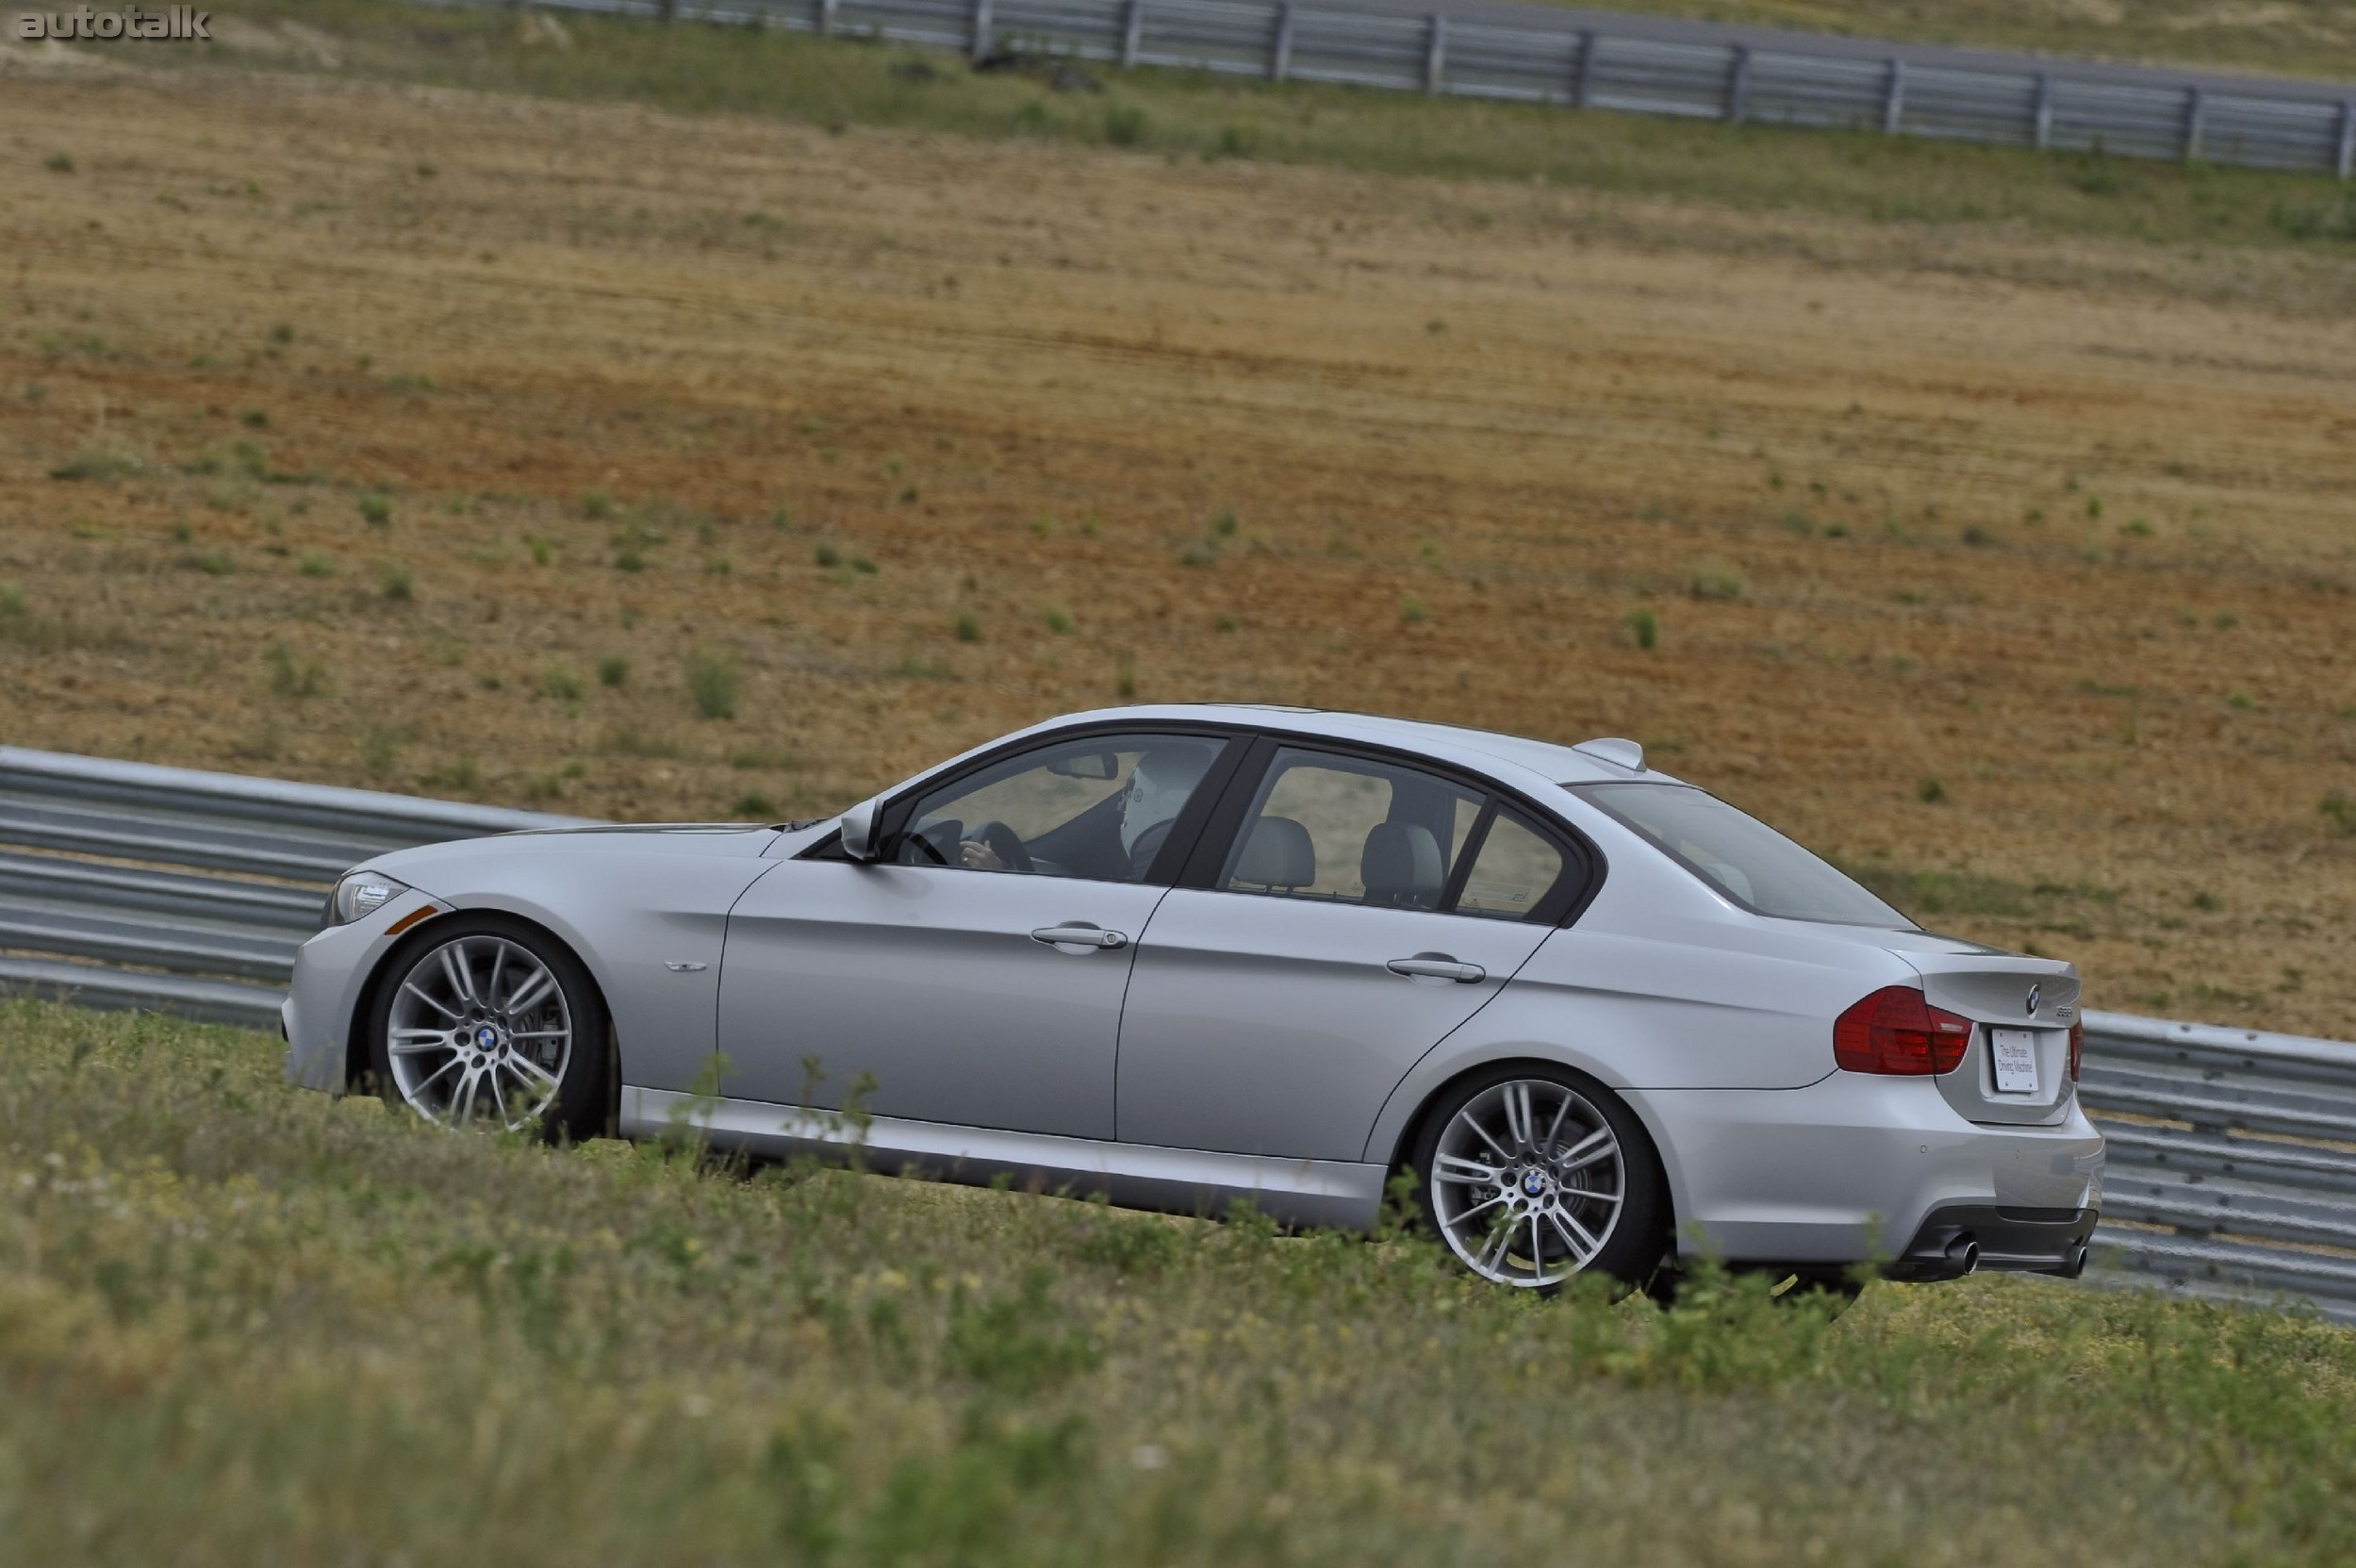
657,467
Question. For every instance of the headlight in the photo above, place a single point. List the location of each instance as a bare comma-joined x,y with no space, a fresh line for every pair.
359,894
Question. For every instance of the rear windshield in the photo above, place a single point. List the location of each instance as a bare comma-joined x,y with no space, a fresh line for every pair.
1740,856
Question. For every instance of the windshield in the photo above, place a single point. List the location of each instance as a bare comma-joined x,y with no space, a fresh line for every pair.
1740,856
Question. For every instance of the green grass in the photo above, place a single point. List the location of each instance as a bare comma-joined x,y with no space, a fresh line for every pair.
714,679
703,69
240,1323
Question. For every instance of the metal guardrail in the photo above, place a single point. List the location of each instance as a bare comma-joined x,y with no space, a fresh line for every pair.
2232,1154
1537,54
122,884
2232,1159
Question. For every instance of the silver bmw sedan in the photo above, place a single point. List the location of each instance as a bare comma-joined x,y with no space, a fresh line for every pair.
1185,956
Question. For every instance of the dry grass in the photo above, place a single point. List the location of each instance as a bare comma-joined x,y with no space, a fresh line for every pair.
388,417
240,1323
733,70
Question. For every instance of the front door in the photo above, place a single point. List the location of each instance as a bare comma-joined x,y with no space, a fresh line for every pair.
1364,911
976,976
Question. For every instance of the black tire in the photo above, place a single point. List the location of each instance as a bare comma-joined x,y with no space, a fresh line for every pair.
578,1107
1632,1248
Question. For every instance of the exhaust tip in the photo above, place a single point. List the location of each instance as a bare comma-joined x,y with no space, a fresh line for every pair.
2077,1265
1963,1254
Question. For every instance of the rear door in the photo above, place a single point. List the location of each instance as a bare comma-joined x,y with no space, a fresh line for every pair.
1344,912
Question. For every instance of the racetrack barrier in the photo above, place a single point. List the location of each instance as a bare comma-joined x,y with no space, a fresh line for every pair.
1535,54
2233,1152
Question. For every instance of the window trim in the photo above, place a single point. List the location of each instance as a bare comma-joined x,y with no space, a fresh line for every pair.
1216,841
893,814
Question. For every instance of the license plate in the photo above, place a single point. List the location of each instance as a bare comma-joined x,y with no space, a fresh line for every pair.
2015,1053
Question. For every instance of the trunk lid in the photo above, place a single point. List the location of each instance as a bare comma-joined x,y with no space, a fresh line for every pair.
2034,1000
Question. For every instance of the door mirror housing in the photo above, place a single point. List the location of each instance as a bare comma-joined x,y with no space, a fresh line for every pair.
858,840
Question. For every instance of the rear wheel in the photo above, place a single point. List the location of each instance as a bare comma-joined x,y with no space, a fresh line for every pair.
488,1022
1531,1175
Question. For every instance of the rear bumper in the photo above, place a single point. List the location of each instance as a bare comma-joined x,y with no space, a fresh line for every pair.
1958,1238
1853,1168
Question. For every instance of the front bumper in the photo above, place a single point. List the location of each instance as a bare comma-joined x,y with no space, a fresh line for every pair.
330,972
1854,1168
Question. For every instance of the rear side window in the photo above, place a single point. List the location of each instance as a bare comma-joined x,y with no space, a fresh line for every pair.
1740,856
1331,828
1517,867
1346,829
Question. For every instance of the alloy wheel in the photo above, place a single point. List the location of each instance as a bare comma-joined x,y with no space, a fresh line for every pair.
1527,1182
479,1032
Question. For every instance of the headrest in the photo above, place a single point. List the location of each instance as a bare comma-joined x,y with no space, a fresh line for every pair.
1277,854
1401,866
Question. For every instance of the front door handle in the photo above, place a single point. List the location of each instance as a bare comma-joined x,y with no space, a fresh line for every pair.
1438,966
1077,938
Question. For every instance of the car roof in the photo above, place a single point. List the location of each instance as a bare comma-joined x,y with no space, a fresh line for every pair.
1551,760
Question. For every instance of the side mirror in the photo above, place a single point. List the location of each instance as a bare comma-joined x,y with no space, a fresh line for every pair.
859,832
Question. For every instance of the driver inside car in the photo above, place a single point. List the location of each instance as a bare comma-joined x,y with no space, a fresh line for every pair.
1156,792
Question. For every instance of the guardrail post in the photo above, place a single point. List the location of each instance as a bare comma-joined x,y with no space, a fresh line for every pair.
826,10
1894,98
1281,50
2347,139
2195,110
1739,84
1132,33
1583,84
981,41
1435,53
2042,136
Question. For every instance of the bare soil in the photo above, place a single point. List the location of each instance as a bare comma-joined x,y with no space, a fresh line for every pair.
347,429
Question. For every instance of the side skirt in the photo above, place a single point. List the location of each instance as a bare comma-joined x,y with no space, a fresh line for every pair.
1330,1193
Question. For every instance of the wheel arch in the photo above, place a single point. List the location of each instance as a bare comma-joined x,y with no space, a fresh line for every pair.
1412,1130
357,1046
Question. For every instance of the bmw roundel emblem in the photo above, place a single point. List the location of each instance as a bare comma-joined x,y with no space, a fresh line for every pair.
485,1037
2032,1002
1532,1182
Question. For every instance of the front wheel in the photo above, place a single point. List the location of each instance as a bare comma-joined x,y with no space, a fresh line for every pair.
1531,1175
486,1022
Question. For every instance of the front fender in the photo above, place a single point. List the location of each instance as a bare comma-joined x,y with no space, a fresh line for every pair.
650,929
644,912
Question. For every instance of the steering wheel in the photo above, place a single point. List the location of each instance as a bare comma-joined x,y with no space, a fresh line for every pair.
1003,843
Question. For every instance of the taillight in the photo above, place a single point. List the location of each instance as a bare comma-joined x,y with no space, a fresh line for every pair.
2077,1048
1895,1031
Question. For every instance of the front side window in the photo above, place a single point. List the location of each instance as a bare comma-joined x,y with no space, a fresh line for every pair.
1099,808
1342,830
1740,856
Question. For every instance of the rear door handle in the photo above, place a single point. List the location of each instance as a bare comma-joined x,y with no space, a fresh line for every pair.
1078,939
1436,967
